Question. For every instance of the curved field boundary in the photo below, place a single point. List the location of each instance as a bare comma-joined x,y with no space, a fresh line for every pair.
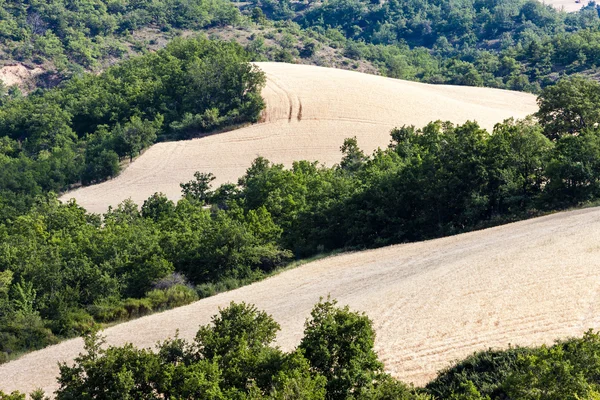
432,302
310,111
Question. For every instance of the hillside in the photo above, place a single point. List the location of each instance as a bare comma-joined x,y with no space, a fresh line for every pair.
566,5
310,111
432,302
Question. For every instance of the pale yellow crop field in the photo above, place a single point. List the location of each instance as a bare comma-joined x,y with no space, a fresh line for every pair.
431,302
310,111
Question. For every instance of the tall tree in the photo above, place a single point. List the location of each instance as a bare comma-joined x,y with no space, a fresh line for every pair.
569,107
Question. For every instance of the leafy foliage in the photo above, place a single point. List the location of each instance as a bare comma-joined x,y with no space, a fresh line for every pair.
567,370
339,345
232,358
516,44
84,33
63,270
81,131
569,107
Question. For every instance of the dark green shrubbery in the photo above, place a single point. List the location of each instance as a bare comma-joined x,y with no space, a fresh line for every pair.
233,358
484,371
64,271
567,370
80,131
71,34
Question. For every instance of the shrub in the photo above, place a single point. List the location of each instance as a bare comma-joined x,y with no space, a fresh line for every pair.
137,307
11,396
174,296
108,310
169,281
484,371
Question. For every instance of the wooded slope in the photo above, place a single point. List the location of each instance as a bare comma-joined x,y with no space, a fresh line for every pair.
310,111
432,302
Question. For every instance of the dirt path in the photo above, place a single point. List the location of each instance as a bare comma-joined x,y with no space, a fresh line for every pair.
432,302
310,111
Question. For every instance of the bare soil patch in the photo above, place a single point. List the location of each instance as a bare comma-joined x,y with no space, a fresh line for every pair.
310,111
18,74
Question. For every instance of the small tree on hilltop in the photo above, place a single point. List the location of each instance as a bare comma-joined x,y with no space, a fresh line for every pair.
198,189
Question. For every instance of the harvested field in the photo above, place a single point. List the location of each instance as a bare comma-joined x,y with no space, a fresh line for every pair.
310,111
432,302
566,5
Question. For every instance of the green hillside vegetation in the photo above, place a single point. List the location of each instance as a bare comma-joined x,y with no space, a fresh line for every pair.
514,44
67,38
234,358
63,271
80,131
75,34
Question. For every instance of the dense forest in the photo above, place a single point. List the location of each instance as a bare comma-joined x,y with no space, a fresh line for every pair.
234,358
514,44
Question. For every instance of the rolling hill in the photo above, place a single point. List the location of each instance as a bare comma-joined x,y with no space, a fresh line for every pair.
310,111
432,302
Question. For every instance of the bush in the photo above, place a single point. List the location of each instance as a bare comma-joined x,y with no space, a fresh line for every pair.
11,396
174,279
137,307
174,296
74,322
108,310
483,371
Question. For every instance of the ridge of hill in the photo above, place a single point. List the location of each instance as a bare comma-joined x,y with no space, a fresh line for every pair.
310,111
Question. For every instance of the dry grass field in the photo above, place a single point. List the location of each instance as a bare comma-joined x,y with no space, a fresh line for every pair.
431,302
566,5
310,111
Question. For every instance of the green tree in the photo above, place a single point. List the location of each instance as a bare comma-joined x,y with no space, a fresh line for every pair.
338,343
124,373
199,188
157,207
353,157
569,107
574,169
518,155
239,341
136,134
